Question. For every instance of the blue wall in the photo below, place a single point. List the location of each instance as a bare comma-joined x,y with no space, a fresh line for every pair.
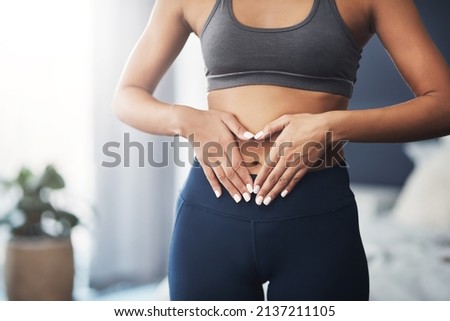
379,84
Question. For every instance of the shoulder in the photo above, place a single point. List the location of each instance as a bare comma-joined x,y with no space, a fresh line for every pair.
388,12
190,5
377,4
374,10
195,12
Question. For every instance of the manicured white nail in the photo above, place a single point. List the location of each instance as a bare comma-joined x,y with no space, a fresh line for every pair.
267,200
284,193
256,189
259,135
259,200
217,193
237,198
246,197
249,188
248,135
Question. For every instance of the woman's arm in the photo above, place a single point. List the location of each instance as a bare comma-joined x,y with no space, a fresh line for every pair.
134,103
423,67
400,29
159,45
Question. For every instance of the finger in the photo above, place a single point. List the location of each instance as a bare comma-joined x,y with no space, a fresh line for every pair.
273,127
292,166
281,176
232,169
236,127
222,176
270,161
212,179
237,163
280,186
261,177
294,181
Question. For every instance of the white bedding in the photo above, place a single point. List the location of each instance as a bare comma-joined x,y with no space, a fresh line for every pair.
406,263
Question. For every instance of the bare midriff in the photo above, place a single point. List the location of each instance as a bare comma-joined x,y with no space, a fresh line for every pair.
257,105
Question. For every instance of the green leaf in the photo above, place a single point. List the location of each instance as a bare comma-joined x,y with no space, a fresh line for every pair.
33,203
51,179
70,218
24,178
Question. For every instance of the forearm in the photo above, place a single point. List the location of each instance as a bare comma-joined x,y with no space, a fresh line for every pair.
139,109
422,118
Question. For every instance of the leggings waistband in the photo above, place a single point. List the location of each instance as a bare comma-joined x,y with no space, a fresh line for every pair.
316,193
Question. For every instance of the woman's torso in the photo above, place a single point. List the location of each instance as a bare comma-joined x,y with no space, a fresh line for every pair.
257,105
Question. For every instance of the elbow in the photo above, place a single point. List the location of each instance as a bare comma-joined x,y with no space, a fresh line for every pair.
445,105
118,106
443,117
447,129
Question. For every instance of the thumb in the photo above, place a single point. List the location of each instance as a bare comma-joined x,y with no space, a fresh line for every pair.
273,127
236,127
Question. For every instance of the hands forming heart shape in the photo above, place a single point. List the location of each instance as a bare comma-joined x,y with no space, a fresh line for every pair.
302,140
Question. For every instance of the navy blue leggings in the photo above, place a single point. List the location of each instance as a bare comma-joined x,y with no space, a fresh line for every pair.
307,245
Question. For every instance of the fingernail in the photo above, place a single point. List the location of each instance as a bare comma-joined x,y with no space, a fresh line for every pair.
248,135
267,200
217,193
259,135
256,189
284,193
246,197
249,188
237,198
259,200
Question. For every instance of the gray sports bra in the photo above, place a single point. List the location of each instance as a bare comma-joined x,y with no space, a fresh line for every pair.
318,53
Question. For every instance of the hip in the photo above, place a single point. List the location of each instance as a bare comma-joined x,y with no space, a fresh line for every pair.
319,192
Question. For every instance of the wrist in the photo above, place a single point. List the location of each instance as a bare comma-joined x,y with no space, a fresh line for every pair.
182,119
334,124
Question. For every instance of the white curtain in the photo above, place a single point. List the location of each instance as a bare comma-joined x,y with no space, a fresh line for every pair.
135,204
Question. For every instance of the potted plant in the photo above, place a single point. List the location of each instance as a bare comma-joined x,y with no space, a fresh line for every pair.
39,261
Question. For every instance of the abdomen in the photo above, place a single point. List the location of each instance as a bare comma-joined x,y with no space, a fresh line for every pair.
257,105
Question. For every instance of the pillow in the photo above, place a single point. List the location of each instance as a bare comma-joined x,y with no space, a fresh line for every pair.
424,200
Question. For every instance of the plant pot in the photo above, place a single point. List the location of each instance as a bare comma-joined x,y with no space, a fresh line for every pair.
38,269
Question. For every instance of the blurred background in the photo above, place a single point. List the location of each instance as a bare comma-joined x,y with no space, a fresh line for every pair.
59,64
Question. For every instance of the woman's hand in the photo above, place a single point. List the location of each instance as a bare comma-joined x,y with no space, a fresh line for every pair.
298,148
212,134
